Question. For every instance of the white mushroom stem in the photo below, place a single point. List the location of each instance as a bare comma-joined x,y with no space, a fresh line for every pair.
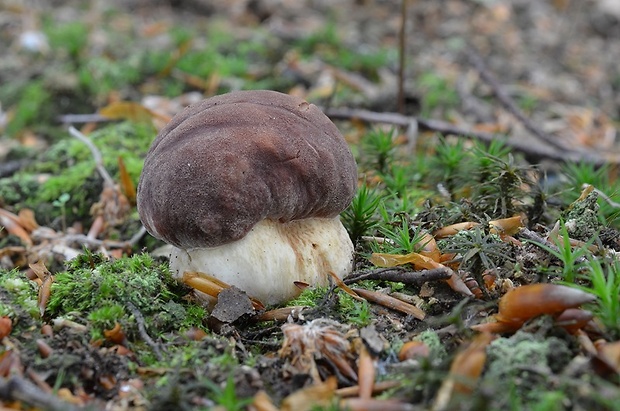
272,256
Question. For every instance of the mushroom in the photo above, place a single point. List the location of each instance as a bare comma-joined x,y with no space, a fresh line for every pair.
248,187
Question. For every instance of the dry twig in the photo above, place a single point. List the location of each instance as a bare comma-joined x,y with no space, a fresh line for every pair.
402,275
527,147
96,155
485,74
16,388
142,330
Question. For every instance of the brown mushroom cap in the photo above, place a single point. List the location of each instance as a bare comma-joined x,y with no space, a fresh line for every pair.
228,162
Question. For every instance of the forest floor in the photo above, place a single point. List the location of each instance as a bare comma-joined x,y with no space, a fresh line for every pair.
493,166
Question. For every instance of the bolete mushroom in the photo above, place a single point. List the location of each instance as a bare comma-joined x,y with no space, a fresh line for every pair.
248,187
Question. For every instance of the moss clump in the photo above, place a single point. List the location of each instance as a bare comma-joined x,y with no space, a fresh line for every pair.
70,170
105,293
18,293
582,218
524,364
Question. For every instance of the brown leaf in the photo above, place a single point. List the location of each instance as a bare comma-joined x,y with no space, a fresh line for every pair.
413,349
507,226
12,225
127,186
10,364
607,356
365,373
127,110
44,293
378,388
262,402
464,371
6,325
181,50
453,229
318,395
40,270
27,219
115,335
523,303
44,349
343,286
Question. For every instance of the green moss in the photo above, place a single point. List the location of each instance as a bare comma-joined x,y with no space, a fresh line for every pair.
309,297
72,171
30,107
354,311
103,291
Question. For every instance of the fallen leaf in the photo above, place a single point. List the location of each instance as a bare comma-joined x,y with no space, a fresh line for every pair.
127,110
6,325
127,186
465,371
365,373
116,334
315,396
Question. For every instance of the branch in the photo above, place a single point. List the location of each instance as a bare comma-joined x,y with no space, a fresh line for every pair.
401,275
526,147
485,74
142,330
16,388
96,155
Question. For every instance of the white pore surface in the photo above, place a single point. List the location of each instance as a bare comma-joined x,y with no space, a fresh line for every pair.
273,255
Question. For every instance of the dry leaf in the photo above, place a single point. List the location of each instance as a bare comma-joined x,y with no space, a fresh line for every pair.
40,270
365,373
318,395
464,371
453,229
378,388
127,110
413,349
370,404
6,325
343,286
506,226
115,335
27,219
44,349
521,304
12,224
127,186
262,402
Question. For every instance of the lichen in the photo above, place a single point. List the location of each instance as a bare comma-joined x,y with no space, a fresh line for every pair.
582,217
524,363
